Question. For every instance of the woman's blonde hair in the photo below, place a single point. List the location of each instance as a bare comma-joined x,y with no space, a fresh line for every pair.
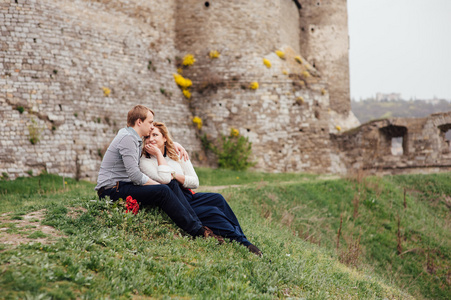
169,146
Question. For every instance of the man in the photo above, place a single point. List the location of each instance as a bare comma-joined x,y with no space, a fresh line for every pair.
120,176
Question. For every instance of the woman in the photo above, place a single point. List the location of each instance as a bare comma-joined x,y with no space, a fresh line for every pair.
162,164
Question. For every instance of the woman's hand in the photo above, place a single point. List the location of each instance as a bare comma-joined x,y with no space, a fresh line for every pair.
153,150
181,151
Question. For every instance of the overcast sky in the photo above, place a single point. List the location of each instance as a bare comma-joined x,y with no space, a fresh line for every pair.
400,46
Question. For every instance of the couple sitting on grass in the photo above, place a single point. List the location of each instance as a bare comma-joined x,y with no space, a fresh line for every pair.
165,179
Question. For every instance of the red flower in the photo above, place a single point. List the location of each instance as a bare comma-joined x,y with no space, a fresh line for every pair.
131,205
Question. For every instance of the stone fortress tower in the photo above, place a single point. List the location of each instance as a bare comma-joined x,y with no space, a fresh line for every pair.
71,69
288,117
325,44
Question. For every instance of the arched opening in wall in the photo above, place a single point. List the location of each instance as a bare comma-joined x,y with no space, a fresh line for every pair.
445,137
395,139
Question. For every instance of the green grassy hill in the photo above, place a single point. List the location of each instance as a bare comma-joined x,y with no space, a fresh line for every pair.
98,251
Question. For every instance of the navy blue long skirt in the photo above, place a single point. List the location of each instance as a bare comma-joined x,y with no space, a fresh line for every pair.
214,212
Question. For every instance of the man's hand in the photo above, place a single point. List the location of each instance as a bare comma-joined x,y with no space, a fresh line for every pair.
181,151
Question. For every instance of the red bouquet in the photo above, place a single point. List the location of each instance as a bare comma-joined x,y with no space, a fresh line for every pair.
131,205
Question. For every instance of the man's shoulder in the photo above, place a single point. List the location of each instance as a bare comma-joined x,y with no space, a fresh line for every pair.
125,134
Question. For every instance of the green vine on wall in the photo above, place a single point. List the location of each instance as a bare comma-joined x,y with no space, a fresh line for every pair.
34,132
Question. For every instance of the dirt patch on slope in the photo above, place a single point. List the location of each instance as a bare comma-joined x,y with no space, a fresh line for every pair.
25,229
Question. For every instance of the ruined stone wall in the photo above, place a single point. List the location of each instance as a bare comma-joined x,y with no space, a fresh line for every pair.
56,58
325,44
424,145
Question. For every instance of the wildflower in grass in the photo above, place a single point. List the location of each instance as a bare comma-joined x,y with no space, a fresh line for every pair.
254,85
214,54
298,59
189,60
187,94
131,205
280,54
234,132
198,122
338,127
267,63
182,82
106,91
306,74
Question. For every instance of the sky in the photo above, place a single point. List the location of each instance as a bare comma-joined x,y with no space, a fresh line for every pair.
400,46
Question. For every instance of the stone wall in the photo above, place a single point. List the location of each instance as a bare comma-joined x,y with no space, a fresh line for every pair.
424,147
71,70
286,118
58,59
236,27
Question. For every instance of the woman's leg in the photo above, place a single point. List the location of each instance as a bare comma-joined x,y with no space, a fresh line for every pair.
214,212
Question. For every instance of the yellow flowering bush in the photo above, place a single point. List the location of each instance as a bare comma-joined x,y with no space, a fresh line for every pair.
323,92
254,85
106,91
267,63
198,122
180,71
187,94
234,132
214,54
298,59
189,60
300,100
280,54
306,74
338,127
182,82
285,72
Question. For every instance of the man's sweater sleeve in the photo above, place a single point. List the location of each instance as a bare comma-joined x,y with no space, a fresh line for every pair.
129,150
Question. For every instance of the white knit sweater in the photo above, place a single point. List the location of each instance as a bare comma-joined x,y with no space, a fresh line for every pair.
162,174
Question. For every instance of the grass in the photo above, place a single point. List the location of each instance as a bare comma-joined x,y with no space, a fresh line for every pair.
220,177
293,218
367,213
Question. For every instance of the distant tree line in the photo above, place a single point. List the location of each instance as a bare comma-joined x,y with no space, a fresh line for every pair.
370,109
